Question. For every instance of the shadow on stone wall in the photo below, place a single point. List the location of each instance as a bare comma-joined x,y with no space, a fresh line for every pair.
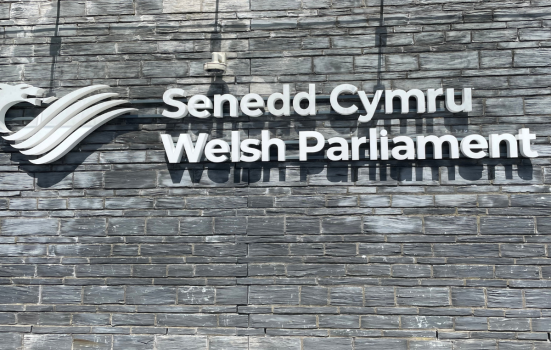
313,173
386,174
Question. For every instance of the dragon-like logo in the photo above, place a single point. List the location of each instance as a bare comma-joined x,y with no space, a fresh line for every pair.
61,126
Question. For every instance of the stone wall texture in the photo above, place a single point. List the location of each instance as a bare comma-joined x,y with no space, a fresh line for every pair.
111,247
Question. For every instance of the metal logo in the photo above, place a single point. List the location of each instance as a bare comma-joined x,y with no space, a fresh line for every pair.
61,126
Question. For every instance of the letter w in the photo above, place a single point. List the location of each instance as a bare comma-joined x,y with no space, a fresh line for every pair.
194,154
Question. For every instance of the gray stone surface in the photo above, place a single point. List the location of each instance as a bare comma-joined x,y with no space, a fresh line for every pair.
61,295
112,248
175,342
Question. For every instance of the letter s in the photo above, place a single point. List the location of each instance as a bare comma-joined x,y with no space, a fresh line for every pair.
168,98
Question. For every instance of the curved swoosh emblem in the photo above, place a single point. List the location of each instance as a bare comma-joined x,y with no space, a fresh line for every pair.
71,125
79,135
61,119
50,112
61,126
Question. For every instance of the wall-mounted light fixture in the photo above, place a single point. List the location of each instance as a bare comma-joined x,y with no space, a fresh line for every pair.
218,65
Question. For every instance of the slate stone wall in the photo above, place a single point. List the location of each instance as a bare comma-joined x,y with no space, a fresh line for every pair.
112,248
